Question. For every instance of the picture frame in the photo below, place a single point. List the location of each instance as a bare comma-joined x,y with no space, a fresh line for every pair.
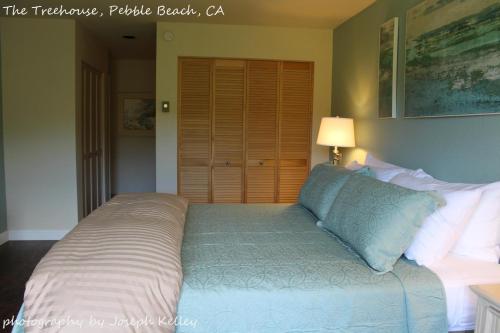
388,69
452,59
137,114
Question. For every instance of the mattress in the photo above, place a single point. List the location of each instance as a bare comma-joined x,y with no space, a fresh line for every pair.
457,274
268,269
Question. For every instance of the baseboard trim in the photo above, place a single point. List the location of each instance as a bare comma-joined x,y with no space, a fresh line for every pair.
37,234
4,237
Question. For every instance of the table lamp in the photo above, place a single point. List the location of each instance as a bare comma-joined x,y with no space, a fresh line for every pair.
336,132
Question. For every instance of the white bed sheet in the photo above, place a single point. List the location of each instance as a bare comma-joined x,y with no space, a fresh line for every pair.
457,274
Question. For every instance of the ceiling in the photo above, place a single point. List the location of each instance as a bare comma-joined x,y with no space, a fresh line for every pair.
291,13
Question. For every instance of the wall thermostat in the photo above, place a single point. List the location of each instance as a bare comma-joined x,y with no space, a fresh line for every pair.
168,36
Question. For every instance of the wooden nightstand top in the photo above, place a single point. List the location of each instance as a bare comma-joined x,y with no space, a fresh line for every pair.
490,292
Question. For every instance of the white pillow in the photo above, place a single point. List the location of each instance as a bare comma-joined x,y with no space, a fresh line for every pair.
384,171
442,229
372,161
354,166
481,236
383,174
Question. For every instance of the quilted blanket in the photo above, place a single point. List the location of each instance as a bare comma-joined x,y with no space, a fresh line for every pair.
119,270
269,269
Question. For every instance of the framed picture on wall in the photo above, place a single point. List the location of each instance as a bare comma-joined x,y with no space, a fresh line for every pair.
452,58
136,114
388,69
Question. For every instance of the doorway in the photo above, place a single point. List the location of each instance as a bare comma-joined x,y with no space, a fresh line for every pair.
116,139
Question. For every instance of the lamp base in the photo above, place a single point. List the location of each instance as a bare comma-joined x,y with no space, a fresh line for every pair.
337,156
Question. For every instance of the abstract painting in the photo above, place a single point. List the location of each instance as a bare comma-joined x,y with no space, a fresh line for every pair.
137,114
388,64
453,58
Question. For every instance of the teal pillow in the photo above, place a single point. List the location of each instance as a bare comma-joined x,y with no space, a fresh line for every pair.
322,186
379,220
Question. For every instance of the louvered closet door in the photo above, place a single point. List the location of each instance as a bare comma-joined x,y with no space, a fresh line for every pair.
228,131
295,128
262,131
194,129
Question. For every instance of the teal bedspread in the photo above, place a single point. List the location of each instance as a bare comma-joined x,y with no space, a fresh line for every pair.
269,269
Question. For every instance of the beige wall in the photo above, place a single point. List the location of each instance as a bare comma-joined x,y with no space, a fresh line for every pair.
216,40
133,157
38,75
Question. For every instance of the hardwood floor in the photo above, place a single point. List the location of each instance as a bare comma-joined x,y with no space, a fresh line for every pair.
17,261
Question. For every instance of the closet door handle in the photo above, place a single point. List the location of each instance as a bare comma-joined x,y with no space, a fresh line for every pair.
228,163
261,163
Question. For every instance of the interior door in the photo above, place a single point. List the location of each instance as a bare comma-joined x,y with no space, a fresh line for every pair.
228,131
295,128
244,129
194,150
262,130
92,139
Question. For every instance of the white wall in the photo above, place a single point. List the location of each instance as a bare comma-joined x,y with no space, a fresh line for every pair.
38,75
133,157
41,74
231,41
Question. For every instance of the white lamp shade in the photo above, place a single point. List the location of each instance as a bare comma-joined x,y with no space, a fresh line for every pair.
336,132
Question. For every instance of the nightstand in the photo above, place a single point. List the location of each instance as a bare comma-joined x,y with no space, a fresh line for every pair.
488,308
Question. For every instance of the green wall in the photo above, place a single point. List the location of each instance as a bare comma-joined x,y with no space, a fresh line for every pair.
3,213
465,149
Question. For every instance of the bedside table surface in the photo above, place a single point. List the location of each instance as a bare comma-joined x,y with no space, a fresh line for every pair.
490,292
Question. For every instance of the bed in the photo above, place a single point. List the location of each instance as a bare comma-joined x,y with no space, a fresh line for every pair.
269,268
331,264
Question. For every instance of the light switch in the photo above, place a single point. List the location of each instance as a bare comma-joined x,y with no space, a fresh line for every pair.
165,106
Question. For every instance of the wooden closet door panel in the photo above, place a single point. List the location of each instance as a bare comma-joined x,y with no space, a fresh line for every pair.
262,110
228,131
295,128
262,130
261,184
194,156
292,176
195,183
227,184
229,102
